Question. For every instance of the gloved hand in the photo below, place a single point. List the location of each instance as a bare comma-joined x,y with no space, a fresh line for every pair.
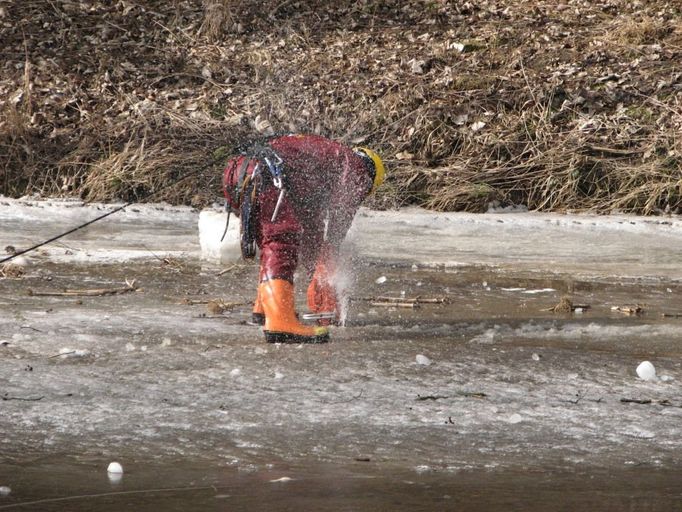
321,292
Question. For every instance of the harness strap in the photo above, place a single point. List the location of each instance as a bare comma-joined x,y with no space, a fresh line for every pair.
242,179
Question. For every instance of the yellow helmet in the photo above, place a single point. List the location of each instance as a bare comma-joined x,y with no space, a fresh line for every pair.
379,169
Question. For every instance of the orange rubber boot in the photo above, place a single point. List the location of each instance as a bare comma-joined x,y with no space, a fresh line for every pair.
281,324
258,314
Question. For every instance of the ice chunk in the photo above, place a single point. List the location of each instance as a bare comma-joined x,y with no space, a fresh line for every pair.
70,352
486,338
21,261
211,228
515,418
115,468
535,356
380,280
666,378
235,373
646,371
423,360
4,490
283,479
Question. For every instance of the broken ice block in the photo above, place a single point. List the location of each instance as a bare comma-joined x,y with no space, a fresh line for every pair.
211,228
423,360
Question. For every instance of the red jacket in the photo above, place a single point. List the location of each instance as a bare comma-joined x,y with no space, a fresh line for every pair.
321,175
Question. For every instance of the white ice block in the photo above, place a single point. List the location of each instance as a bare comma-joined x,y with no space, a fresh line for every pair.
211,227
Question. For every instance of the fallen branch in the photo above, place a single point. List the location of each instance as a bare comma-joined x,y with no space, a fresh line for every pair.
671,315
62,354
628,310
214,306
647,401
566,305
469,394
411,305
228,269
36,399
9,270
405,300
97,292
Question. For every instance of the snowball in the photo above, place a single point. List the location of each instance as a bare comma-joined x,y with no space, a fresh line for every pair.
646,371
4,490
381,280
115,468
423,360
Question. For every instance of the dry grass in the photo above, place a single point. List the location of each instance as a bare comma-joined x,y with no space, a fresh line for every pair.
218,18
467,105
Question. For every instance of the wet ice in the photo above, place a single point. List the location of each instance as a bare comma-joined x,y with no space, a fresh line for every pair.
234,399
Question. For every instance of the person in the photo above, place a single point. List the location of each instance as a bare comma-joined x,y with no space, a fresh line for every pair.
296,196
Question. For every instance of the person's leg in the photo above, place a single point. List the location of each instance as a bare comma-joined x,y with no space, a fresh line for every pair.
279,243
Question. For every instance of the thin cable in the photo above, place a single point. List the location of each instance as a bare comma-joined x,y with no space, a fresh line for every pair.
115,210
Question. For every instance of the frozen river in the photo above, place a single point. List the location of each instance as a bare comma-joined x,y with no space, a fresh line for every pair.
478,403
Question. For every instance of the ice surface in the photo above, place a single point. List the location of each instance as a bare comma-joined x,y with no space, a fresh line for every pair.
586,245
212,389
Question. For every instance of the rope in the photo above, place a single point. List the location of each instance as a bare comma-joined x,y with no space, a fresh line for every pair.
104,215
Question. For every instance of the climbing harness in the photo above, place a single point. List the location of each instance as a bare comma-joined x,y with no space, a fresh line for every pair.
243,195
248,207
275,168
